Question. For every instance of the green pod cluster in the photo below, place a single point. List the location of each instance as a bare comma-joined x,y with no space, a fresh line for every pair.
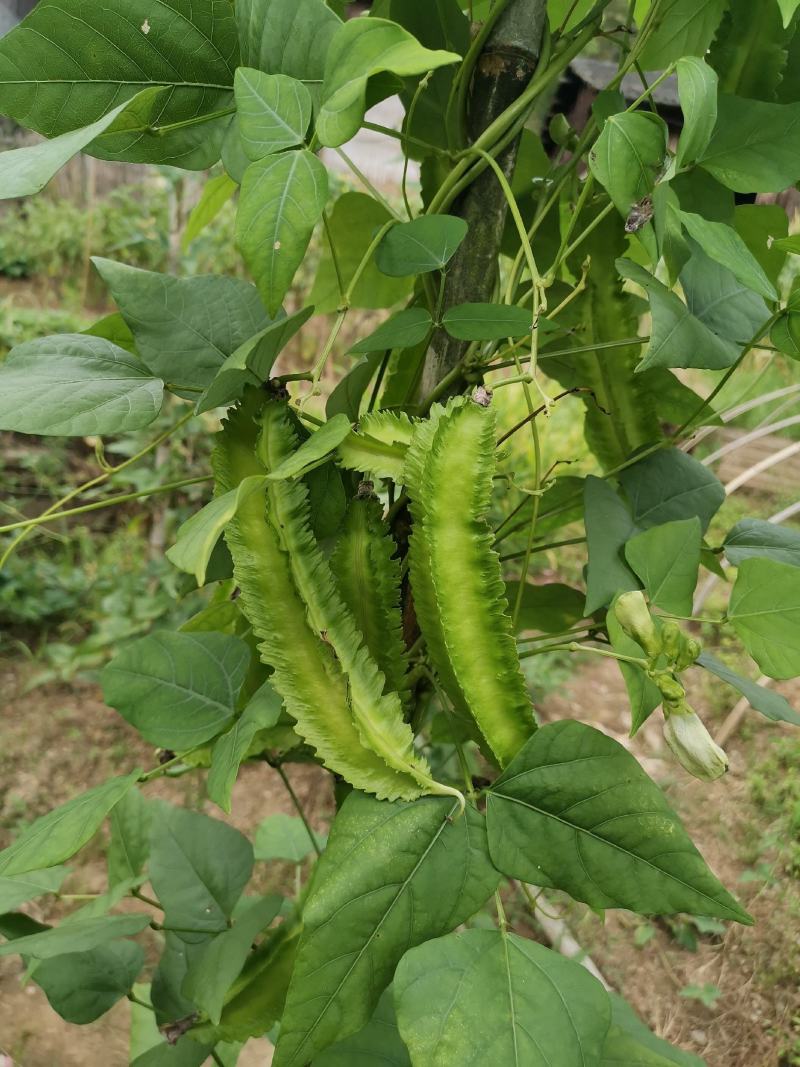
458,588
379,446
329,682
368,578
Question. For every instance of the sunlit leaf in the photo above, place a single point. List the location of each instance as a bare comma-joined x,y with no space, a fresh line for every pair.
274,111
764,610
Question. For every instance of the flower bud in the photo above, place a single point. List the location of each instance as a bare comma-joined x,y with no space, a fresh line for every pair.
634,617
671,689
671,640
693,746
691,650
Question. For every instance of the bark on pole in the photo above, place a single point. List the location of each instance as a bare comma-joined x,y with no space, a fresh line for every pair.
502,72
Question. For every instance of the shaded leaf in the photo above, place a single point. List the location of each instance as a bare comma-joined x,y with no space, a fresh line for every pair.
764,610
667,558
74,385
81,935
749,51
320,444
548,608
378,1041
697,90
755,537
488,322
628,157
755,146
682,28
625,1018
18,889
262,711
724,245
129,846
608,527
404,329
82,986
426,243
347,394
671,485
283,837
767,701
281,38
644,695
575,811
216,194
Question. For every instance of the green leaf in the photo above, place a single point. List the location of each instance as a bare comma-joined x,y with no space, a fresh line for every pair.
768,702
283,837
761,227
623,1048
57,836
785,335
286,38
628,157
697,90
378,1042
326,499
320,444
677,338
347,395
667,558
644,695
252,361
263,711
608,527
82,986
74,385
177,689
755,537
755,146
548,608
198,869
404,329
282,200
487,322
625,1018
216,194
426,243
199,534
724,245
764,610
68,63
185,328
682,28
274,111
671,485
115,329
749,52
352,225
211,975
130,838
575,811
482,996
26,171
21,888
788,9
360,49
393,875
77,936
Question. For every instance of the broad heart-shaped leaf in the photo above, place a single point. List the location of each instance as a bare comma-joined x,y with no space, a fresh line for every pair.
286,38
352,225
282,837
252,362
274,111
677,338
347,395
262,711
57,836
785,334
717,299
628,157
216,194
18,889
487,322
608,527
129,846
644,695
199,534
697,90
755,146
548,608
426,243
360,49
198,869
623,1050
404,329
281,202
25,171
755,537
765,612
378,1042
113,328
69,62
667,559
320,444
213,972
670,485
722,243
185,328
72,385
768,702
625,1019
575,811
177,689
393,875
78,936
682,28
485,997
82,986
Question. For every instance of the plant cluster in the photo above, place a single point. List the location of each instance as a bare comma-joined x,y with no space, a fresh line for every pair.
357,613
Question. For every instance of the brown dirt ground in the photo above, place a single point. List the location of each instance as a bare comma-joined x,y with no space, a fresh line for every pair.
59,739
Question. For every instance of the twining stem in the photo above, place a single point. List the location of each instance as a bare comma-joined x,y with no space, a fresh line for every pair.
138,1001
110,502
573,646
298,806
146,900
98,480
366,182
545,548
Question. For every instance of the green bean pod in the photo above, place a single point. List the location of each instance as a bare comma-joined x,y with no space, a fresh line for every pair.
449,476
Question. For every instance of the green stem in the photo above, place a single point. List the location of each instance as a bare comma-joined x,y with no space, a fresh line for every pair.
98,505
160,131
545,548
298,807
139,1002
401,135
146,900
573,646
367,183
